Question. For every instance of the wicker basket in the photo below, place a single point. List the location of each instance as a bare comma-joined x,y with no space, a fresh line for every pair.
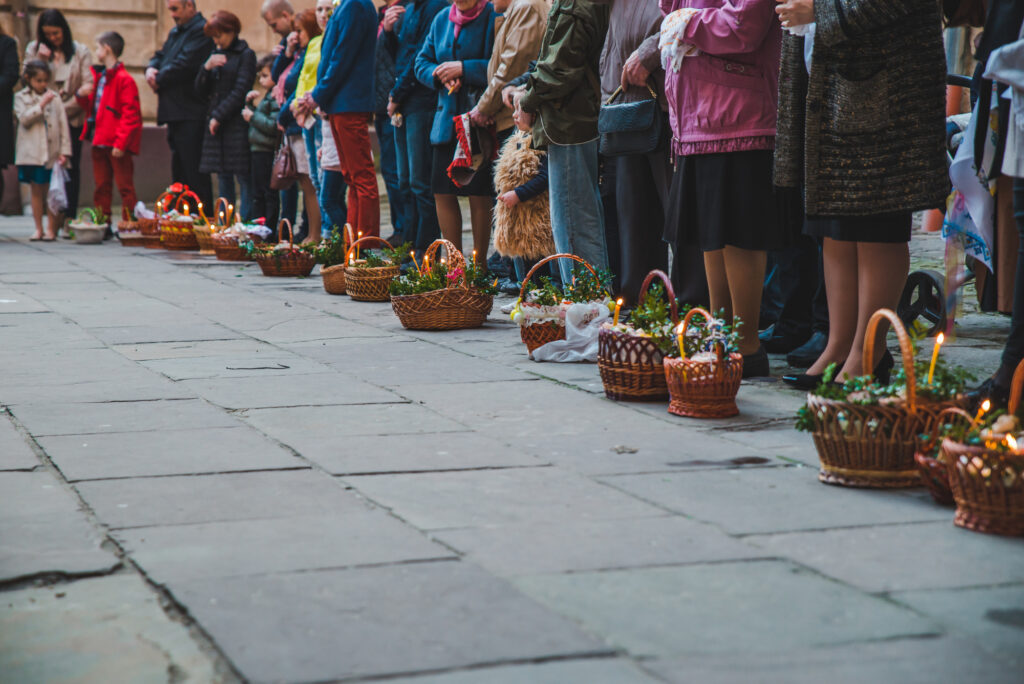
128,230
204,236
368,284
538,334
456,306
179,235
871,446
150,233
226,247
933,469
292,263
632,367
704,389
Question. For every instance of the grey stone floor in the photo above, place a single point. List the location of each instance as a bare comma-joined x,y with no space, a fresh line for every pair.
211,476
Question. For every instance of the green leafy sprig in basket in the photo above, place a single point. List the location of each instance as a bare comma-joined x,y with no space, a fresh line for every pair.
437,276
385,256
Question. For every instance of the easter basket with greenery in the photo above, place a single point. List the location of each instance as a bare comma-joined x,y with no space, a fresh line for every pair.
705,376
89,227
330,254
368,276
284,259
445,294
177,227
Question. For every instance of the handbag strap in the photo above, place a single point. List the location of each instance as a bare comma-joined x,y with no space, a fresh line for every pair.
619,91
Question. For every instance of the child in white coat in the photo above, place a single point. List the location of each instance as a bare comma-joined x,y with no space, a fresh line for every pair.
44,141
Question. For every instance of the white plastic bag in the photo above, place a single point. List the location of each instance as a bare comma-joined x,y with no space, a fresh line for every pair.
57,195
581,330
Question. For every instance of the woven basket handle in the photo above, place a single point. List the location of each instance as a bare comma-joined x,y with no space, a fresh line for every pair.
1016,387
188,194
456,260
160,201
221,205
348,235
291,239
668,290
536,266
719,348
906,348
369,238
952,411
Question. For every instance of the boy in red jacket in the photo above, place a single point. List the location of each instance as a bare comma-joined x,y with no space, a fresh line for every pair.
114,124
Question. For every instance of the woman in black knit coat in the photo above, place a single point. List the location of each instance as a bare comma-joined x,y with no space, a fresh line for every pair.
223,82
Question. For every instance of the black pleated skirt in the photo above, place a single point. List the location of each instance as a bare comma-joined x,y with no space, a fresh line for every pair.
889,228
724,199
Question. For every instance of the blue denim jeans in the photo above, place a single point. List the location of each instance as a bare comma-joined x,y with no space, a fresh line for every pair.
398,197
332,200
577,217
414,156
226,188
313,137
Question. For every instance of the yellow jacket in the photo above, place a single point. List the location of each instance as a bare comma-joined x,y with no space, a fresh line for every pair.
310,64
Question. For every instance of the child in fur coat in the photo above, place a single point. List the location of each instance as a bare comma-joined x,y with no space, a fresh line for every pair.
522,217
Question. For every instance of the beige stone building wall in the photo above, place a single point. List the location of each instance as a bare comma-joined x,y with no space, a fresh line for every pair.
144,25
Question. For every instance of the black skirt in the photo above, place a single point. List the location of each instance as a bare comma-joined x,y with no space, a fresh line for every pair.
440,184
888,228
728,198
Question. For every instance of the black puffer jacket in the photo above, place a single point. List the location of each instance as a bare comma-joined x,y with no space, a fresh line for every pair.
224,90
8,79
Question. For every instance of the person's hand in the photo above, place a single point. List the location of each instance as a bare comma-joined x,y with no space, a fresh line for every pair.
291,44
634,73
117,153
509,199
47,98
85,91
478,118
392,107
214,126
795,12
453,85
43,52
151,77
62,160
252,95
508,95
247,114
215,61
391,17
277,49
280,128
448,71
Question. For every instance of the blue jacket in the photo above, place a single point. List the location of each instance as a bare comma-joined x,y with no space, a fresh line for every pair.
405,42
284,116
473,49
344,79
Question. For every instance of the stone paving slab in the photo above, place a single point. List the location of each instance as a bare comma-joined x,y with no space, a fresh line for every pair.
165,452
269,365
191,349
318,389
327,625
992,616
432,501
902,661
781,499
108,629
42,530
127,387
237,548
123,416
591,671
316,430
167,332
543,547
15,453
313,329
370,454
889,558
155,501
723,608
49,277
12,302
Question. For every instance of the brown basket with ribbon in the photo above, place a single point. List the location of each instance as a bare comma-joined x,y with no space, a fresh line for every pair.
631,366
537,334
289,262
150,227
453,307
368,283
176,232
703,388
988,483
872,445
129,231
226,247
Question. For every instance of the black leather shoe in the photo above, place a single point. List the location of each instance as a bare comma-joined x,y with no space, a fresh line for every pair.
998,394
508,286
807,353
783,344
883,369
802,381
756,365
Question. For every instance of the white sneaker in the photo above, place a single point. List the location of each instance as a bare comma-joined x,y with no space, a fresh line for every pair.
507,309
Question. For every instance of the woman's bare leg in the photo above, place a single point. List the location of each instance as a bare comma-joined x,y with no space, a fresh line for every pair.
718,283
744,270
38,206
481,213
312,208
449,216
840,259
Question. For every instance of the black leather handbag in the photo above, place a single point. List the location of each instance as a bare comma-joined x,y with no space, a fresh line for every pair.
631,127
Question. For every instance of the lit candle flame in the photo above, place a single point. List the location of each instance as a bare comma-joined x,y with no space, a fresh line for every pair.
618,306
679,340
412,253
1011,442
935,357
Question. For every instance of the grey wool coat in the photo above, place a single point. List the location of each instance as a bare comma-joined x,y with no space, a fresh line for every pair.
864,131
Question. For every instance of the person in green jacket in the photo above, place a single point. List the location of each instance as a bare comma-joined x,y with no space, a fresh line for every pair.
560,102
264,139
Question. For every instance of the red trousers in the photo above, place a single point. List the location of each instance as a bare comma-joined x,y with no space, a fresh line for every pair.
352,137
106,168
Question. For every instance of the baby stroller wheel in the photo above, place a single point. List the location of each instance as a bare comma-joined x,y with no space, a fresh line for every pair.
922,304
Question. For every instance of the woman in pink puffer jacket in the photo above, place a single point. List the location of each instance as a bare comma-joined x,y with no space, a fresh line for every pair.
721,61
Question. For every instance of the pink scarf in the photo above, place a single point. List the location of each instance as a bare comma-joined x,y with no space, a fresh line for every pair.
278,92
460,18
